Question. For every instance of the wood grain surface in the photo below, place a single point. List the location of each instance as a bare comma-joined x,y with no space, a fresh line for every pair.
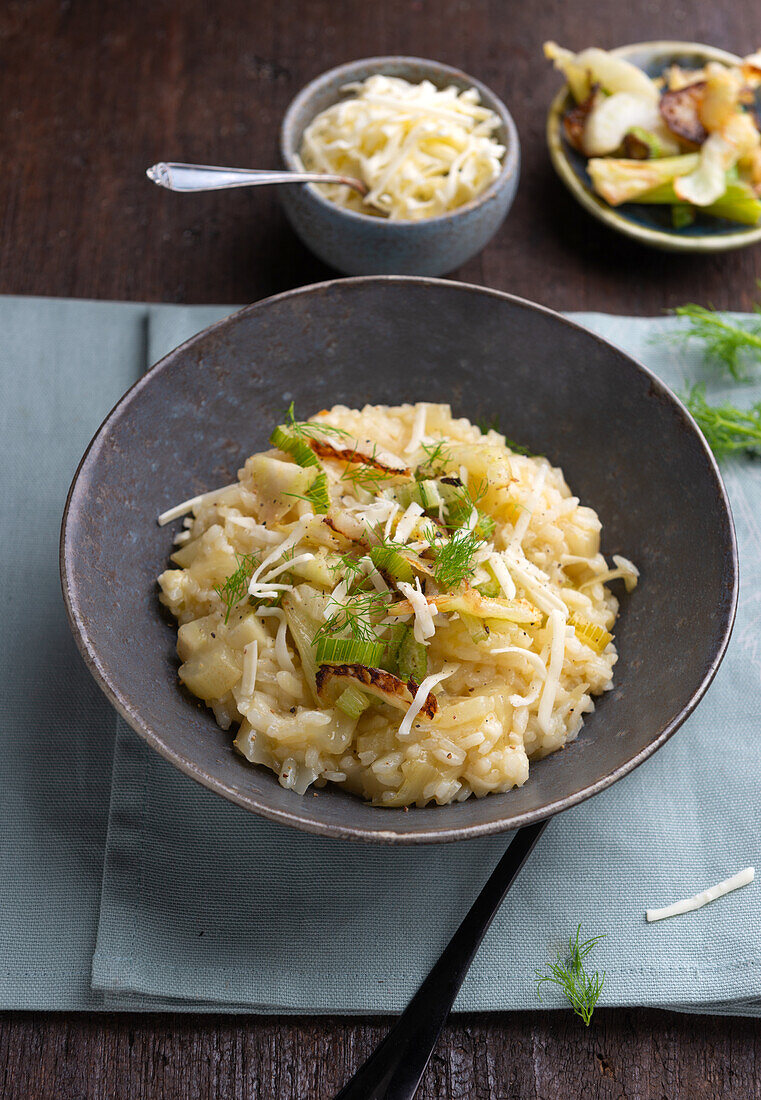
91,93
623,1055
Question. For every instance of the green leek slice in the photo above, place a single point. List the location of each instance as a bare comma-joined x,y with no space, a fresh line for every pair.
398,633
477,628
596,637
425,493
318,495
387,560
485,526
292,444
491,589
458,515
347,651
352,702
682,215
412,658
620,180
470,602
458,512
652,143
739,203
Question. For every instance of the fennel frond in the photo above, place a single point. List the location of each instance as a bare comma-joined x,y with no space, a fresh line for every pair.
581,988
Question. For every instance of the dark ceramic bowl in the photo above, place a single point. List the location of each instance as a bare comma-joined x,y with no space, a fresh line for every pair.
648,223
628,448
363,244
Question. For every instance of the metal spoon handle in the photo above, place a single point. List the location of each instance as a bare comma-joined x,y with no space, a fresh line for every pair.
394,1070
207,177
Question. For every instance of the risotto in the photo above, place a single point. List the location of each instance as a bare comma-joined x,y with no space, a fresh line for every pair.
393,600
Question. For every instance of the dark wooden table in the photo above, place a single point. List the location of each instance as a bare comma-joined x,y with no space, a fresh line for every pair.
92,93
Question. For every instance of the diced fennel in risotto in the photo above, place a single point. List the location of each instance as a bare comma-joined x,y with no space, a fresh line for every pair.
394,601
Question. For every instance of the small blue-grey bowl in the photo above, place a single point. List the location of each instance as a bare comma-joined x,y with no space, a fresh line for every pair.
364,244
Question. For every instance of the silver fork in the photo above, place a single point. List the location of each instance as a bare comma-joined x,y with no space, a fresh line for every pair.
207,177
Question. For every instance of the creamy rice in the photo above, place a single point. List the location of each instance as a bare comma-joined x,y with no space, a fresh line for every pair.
521,644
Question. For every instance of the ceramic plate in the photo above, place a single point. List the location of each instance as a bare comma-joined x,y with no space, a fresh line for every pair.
650,224
627,446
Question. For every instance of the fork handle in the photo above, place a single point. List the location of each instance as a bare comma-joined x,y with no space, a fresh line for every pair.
394,1070
205,177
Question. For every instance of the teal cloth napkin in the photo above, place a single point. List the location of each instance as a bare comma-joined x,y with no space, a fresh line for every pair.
206,907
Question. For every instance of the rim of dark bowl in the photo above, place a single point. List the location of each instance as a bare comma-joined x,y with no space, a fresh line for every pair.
288,140
381,835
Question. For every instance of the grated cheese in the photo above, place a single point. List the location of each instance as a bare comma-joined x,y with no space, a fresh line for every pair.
557,653
374,513
624,569
407,523
417,704
541,595
526,700
295,536
390,520
376,579
250,661
281,649
422,151
501,572
533,658
193,502
424,611
286,565
337,596
742,878
262,535
418,429
629,571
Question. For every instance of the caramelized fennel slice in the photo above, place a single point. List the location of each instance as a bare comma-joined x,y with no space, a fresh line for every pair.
575,119
352,457
471,603
680,110
376,681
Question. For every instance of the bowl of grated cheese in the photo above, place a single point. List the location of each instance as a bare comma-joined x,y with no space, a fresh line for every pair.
438,151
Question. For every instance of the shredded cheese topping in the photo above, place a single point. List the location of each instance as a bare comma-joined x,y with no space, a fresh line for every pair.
417,704
281,648
422,151
557,653
424,611
250,661
502,573
531,578
533,658
407,522
742,878
418,429
376,580
193,502
262,588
